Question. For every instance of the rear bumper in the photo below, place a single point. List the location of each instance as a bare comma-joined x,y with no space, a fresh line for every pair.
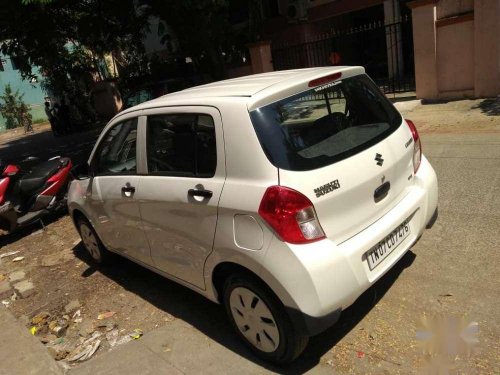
319,280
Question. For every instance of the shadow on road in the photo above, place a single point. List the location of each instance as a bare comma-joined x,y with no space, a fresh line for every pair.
209,318
6,239
44,145
490,107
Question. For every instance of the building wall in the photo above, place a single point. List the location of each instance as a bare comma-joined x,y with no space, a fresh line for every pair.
457,48
457,73
33,93
449,8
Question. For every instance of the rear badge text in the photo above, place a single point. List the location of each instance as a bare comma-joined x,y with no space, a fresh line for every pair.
327,188
331,84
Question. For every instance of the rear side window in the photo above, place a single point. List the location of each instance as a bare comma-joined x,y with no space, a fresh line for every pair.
181,145
325,124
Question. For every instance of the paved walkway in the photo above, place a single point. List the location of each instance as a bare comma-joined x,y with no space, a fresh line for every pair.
177,348
22,353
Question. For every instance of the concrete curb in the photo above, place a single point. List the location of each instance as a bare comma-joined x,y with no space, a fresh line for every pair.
20,352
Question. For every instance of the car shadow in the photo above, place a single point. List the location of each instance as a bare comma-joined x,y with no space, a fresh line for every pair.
209,318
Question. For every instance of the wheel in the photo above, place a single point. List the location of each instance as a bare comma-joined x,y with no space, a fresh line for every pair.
92,243
260,319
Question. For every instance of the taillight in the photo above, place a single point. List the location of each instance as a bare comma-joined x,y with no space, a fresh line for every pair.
417,146
291,215
324,80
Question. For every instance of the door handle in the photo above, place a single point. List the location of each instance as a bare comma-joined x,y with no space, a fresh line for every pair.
200,193
128,190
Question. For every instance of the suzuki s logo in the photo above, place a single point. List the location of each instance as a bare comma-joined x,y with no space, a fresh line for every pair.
378,159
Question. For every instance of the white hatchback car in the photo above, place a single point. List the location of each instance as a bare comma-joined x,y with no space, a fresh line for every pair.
282,195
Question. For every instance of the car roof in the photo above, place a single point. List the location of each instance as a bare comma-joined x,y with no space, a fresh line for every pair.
256,86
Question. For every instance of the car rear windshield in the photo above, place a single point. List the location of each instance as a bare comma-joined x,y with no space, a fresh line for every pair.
325,124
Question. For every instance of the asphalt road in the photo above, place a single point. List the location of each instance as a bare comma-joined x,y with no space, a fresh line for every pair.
44,145
452,271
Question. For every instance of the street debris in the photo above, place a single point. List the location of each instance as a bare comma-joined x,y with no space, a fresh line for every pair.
85,352
10,253
40,319
33,330
105,315
18,259
72,306
112,337
136,334
77,317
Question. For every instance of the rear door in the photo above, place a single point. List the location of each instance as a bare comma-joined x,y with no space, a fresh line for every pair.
345,147
179,195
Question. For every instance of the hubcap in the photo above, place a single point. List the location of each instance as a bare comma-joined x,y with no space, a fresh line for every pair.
254,319
90,241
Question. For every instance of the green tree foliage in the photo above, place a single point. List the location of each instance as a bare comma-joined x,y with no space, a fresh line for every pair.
202,28
66,39
13,108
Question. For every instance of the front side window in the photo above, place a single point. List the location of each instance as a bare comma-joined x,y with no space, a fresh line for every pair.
117,152
181,145
325,124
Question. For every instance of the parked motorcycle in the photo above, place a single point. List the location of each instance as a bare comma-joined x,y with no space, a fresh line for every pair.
32,189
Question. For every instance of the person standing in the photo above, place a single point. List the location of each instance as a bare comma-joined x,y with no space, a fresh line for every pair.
27,122
64,116
52,119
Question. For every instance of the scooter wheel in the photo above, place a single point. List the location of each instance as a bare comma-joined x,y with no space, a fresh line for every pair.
92,243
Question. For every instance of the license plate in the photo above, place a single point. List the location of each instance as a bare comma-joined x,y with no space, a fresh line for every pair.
380,251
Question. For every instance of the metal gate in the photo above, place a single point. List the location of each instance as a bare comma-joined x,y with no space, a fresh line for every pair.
385,50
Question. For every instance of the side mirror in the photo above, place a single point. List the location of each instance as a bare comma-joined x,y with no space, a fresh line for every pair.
81,171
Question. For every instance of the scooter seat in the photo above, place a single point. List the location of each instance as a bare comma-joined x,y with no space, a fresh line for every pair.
38,176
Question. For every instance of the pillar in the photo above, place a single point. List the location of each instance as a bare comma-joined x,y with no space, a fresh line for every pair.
486,48
393,38
260,56
424,42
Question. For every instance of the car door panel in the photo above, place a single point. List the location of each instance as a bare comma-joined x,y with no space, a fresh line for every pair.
179,212
112,198
180,229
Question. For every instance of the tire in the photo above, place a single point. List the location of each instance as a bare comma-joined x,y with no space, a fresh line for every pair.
260,319
92,243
